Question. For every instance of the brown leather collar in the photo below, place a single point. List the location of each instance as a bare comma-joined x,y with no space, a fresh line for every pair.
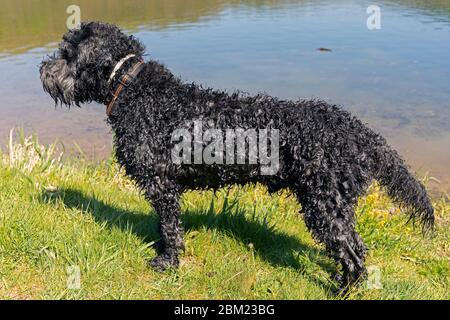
124,82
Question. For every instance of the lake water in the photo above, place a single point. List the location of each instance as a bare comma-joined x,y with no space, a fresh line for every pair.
397,78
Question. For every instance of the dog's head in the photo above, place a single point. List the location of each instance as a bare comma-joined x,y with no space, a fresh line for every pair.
79,70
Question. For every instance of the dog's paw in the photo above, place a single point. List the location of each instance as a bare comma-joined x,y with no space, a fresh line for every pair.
342,286
163,262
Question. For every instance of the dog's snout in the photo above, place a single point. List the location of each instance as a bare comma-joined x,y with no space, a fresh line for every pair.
57,80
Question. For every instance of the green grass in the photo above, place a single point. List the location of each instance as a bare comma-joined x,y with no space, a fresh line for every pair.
241,243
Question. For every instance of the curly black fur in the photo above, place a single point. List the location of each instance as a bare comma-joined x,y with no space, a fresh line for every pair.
327,157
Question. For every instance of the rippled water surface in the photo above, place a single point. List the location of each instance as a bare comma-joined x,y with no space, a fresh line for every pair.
397,79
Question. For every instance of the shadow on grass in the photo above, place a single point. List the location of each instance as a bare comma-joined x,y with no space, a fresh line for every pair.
273,246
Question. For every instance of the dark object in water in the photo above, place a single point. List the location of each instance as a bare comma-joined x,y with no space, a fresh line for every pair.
324,49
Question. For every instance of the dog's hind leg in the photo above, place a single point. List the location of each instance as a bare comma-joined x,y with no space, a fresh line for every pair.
167,205
330,218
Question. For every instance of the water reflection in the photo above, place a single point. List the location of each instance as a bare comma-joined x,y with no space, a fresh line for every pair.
27,24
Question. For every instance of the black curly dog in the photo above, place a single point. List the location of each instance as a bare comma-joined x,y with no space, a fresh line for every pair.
327,158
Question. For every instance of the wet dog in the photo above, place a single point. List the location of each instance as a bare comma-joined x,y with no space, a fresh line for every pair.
325,157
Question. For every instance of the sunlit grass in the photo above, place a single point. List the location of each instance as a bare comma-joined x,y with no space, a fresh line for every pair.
241,242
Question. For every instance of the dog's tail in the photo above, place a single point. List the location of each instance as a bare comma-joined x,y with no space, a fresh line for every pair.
392,173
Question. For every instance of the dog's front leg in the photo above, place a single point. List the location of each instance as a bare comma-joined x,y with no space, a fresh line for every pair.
167,205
